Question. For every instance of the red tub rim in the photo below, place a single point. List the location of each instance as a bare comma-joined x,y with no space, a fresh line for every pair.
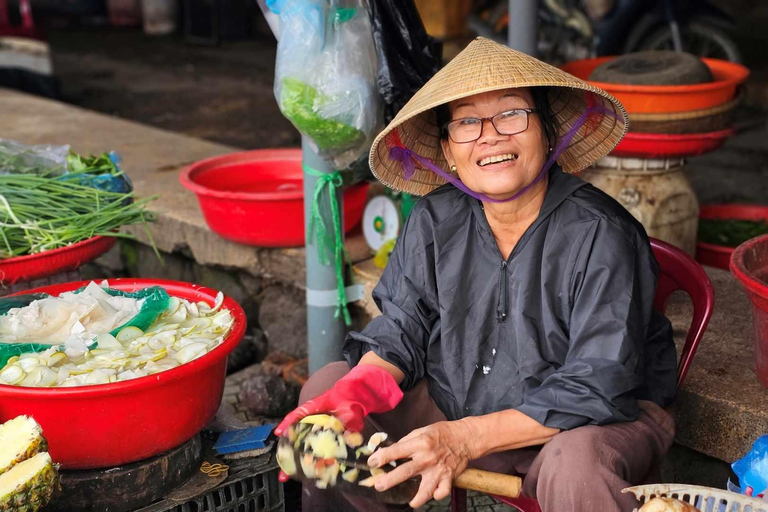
26,258
679,137
737,267
735,75
187,175
116,388
729,211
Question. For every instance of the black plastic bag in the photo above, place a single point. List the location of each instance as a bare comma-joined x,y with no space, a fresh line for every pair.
408,57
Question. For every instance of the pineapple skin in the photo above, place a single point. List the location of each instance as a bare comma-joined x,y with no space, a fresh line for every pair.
38,445
33,494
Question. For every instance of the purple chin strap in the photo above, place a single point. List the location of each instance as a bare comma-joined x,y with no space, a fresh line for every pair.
408,158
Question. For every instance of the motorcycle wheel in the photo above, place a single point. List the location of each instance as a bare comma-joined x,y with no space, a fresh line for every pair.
699,38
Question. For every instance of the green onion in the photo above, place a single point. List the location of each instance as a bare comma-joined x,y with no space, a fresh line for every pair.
730,232
40,211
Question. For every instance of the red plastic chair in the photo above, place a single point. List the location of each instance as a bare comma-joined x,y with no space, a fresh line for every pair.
27,27
678,272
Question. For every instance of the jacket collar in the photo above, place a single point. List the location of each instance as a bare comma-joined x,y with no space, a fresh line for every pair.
560,187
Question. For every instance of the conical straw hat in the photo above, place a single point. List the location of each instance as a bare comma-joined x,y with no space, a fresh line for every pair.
488,66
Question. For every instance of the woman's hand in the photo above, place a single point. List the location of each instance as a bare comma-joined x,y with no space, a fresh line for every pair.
438,453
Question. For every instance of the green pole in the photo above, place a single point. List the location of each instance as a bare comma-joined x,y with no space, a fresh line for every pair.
325,329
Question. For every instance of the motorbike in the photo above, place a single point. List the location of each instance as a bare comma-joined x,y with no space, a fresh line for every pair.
578,29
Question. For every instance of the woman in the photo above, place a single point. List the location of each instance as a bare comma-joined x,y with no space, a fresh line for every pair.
516,307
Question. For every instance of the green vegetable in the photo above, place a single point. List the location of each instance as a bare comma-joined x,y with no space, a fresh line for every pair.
42,212
730,232
299,103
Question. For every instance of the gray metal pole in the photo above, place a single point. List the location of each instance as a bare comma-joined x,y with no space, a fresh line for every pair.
325,334
523,24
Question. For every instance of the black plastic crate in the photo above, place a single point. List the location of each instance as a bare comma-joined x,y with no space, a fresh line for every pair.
252,486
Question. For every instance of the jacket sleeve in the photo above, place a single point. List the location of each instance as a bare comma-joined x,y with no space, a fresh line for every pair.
611,296
405,295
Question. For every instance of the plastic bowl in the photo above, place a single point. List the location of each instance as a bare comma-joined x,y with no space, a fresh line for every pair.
109,425
257,197
663,145
749,263
720,255
668,98
55,261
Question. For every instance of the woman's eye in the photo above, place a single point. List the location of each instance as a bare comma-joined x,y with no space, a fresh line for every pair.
468,121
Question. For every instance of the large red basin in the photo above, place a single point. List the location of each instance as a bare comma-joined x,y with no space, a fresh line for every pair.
749,263
113,424
257,197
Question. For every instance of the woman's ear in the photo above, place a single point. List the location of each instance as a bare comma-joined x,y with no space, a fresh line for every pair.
445,143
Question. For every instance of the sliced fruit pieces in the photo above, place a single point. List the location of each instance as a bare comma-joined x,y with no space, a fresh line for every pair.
28,485
20,439
325,421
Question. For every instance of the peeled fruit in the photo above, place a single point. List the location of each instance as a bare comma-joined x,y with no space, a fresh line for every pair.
285,459
186,331
20,439
28,486
319,449
325,421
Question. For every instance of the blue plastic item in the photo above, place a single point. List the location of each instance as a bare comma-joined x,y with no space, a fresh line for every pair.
752,469
251,438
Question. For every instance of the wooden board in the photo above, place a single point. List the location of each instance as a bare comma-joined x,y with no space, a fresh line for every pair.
128,487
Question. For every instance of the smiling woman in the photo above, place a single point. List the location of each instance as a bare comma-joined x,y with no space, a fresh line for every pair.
517,305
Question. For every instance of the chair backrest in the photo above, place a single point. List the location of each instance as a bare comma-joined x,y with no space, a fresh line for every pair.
678,271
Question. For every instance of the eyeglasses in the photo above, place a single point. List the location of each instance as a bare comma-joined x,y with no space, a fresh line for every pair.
469,129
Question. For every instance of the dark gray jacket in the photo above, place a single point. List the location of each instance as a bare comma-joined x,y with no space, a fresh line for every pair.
564,331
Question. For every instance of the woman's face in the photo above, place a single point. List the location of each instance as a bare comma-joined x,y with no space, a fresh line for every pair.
474,160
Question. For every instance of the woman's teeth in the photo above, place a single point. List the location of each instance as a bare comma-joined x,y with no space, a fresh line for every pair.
497,159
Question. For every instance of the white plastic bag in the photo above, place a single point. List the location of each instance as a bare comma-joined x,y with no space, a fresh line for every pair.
325,76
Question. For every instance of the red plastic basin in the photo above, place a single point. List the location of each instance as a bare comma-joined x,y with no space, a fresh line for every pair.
257,197
663,145
749,263
720,255
55,261
112,424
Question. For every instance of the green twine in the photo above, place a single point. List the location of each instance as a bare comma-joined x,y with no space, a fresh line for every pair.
327,242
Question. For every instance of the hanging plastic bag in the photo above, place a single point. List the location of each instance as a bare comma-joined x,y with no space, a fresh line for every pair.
325,76
408,57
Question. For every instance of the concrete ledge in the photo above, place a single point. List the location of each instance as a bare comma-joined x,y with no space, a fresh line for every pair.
722,407
153,158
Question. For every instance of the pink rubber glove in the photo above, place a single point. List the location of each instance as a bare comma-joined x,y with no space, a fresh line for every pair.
365,389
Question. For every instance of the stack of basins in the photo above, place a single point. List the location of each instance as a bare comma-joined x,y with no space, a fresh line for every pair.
679,106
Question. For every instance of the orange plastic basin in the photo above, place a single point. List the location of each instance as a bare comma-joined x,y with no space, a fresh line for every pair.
664,99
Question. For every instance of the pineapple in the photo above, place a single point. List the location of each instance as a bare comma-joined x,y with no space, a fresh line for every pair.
20,439
28,486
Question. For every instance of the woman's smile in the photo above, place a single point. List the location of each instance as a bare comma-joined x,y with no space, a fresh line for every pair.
498,161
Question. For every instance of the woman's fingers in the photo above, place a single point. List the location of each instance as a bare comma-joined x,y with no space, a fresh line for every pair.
299,413
398,475
443,489
426,491
403,449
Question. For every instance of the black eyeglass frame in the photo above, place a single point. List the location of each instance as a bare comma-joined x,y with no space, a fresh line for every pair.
528,112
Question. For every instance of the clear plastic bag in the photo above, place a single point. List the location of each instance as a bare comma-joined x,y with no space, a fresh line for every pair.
14,156
325,76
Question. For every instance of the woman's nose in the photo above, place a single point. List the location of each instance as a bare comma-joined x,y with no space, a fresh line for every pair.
490,134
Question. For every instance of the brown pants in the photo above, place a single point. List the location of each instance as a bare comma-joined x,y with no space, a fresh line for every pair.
580,470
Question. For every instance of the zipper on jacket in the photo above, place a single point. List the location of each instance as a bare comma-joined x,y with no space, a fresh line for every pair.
501,309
